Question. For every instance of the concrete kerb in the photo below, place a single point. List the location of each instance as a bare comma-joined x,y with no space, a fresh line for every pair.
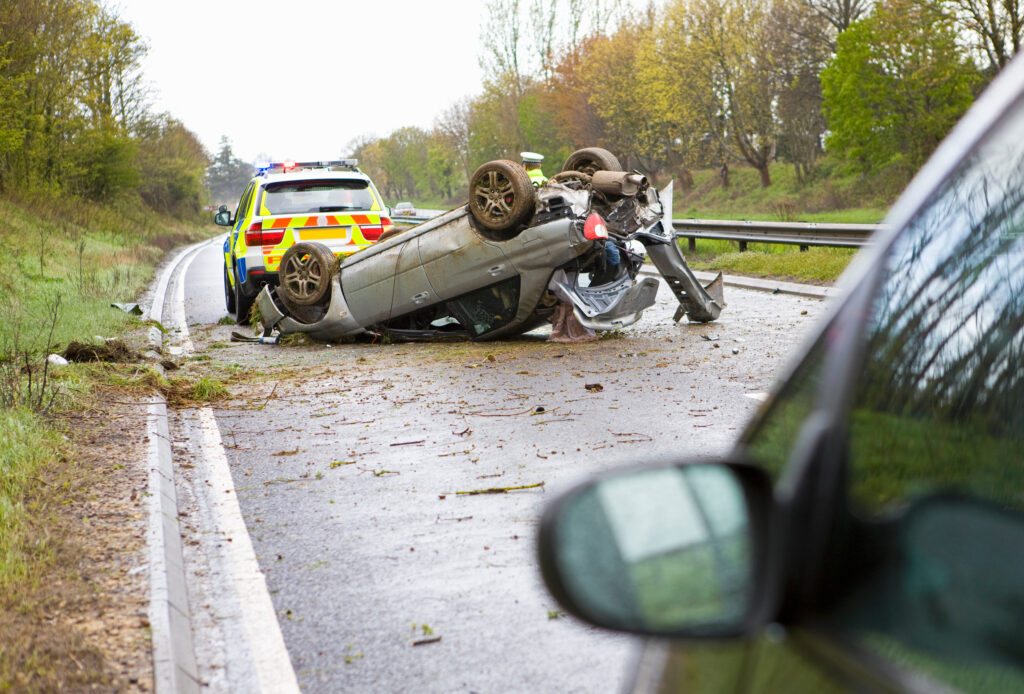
758,284
174,661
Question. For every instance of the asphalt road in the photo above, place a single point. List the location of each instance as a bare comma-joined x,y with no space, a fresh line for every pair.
348,461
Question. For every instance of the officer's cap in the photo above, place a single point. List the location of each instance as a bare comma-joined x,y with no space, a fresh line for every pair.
531,157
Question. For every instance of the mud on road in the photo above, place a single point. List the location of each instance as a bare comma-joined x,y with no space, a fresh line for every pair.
349,460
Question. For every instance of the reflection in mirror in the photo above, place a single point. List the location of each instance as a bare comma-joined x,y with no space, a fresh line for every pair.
658,550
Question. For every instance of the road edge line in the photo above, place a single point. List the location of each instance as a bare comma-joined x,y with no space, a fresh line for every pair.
270,659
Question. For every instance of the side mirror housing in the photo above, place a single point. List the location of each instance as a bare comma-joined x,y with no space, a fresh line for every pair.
677,551
222,217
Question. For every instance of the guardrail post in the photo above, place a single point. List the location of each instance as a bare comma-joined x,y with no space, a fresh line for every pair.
691,244
804,248
743,246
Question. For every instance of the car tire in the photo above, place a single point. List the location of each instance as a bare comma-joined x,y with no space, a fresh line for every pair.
229,293
243,303
501,197
304,276
591,159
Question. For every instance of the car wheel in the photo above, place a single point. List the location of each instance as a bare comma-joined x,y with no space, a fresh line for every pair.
591,159
229,293
501,196
243,303
305,274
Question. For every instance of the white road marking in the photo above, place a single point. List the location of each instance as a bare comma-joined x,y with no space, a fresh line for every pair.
270,660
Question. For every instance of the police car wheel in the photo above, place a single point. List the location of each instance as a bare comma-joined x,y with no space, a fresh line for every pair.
305,274
243,303
501,197
591,159
229,293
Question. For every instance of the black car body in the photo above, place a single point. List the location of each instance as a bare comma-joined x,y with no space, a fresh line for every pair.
867,532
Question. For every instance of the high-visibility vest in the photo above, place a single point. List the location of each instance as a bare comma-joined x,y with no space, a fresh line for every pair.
537,177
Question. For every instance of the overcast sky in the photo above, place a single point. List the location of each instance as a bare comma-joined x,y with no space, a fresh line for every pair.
302,79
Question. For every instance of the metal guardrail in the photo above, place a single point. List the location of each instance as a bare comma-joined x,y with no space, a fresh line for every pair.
801,234
408,219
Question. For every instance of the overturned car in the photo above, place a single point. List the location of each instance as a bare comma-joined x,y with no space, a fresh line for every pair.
510,260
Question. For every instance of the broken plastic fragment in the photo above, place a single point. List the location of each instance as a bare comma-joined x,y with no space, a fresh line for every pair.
133,309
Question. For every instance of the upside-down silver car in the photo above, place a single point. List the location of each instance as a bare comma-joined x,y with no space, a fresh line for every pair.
502,264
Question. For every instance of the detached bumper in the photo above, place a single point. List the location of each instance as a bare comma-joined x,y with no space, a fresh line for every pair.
611,306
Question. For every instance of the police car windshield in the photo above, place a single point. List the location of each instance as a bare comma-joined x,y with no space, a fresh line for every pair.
333,195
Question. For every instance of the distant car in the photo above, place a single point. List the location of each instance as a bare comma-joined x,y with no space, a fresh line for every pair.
404,209
330,202
501,265
867,533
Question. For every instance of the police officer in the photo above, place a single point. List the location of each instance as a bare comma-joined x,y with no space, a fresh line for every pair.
531,162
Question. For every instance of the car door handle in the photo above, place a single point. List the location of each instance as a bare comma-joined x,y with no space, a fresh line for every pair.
496,270
420,298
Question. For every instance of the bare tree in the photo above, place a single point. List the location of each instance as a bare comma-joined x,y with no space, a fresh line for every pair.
995,25
543,34
501,40
454,126
840,13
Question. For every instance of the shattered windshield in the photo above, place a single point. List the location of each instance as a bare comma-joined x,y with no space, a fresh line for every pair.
333,195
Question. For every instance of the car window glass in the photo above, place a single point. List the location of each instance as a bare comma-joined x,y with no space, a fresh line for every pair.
333,195
243,203
775,432
939,408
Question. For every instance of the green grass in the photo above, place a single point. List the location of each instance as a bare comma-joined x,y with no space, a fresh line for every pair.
64,262
826,197
26,448
815,265
88,256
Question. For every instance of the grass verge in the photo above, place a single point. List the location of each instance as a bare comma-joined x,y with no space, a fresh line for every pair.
817,265
70,500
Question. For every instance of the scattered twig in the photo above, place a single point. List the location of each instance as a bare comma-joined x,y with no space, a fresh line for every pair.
421,642
499,490
272,391
409,443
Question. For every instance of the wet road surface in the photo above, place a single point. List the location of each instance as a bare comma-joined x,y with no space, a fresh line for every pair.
348,461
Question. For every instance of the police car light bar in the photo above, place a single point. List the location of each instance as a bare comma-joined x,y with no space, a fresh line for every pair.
265,167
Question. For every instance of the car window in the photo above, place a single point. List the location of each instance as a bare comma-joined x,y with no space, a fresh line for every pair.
243,203
331,195
774,434
936,432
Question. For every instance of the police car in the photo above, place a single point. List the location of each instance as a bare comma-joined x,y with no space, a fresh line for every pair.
330,202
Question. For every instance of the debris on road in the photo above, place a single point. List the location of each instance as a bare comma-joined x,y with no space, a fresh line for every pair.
499,490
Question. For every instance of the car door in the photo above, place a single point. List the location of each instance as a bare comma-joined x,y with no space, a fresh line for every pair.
897,449
903,430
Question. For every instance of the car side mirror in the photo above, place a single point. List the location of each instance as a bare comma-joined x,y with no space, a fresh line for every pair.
222,217
676,551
